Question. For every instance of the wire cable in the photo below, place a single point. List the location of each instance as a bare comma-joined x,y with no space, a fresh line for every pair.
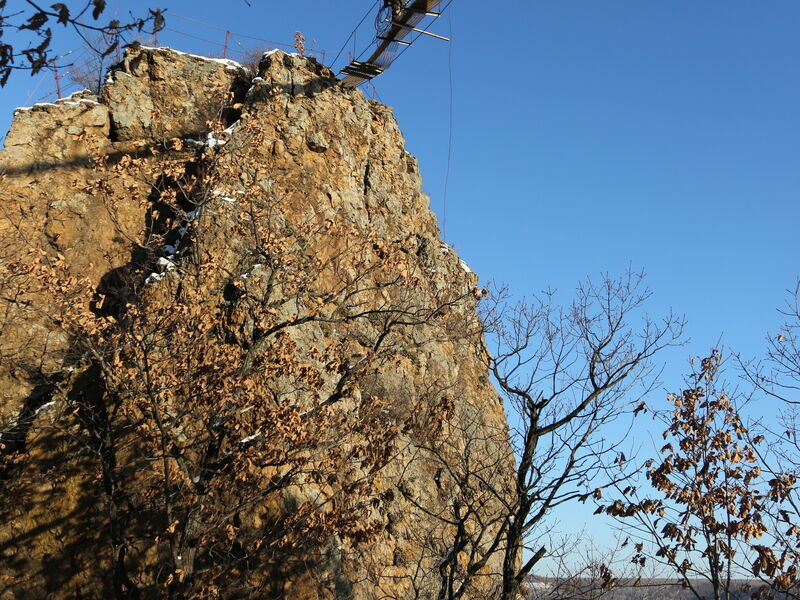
450,133
29,97
189,35
242,35
352,33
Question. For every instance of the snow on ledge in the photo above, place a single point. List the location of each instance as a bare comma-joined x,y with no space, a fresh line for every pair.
274,50
68,101
229,64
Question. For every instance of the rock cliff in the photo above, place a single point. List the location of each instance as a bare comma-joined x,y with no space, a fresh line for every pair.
236,360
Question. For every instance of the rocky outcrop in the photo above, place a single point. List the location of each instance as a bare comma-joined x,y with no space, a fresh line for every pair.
237,361
162,93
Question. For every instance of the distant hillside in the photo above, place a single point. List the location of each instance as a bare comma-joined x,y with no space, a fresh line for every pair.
545,588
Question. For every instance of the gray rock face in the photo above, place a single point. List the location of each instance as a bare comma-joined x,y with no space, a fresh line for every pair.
305,216
160,93
294,75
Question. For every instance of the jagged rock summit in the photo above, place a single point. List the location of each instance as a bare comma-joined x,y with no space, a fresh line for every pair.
236,361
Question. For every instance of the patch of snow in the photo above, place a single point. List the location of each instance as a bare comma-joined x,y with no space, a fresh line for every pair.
250,438
166,264
446,248
252,269
170,249
253,83
154,277
213,138
44,407
68,101
222,195
212,141
196,479
78,102
465,266
274,50
29,108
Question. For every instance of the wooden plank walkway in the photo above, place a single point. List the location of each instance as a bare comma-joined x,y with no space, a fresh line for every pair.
390,42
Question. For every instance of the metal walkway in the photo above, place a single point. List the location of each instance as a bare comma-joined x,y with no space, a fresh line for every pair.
391,36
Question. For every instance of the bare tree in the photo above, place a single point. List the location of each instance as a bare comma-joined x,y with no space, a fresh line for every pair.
82,17
567,375
578,568
777,377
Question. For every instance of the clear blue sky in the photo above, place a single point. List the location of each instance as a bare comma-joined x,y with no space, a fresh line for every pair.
587,135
